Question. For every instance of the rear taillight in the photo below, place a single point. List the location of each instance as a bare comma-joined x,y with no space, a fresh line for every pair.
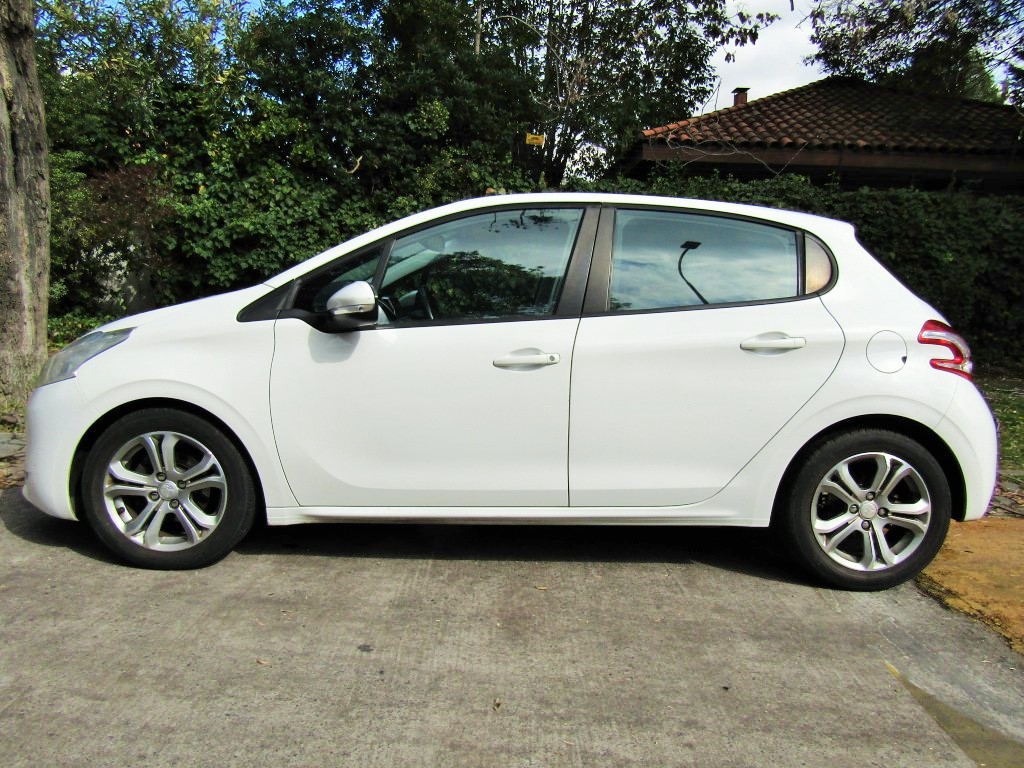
940,334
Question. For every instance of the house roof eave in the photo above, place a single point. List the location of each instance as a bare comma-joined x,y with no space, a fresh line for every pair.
779,158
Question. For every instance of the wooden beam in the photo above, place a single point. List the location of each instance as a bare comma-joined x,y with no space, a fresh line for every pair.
778,159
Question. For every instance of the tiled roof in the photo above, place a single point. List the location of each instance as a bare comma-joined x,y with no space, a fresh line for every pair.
842,113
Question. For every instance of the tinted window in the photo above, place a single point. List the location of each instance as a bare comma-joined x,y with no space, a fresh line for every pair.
662,259
493,265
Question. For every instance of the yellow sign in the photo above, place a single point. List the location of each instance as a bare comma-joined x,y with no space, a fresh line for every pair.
535,139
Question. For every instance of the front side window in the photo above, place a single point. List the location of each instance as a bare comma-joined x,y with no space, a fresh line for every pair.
663,260
500,264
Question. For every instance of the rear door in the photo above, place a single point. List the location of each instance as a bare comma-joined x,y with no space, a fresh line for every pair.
701,340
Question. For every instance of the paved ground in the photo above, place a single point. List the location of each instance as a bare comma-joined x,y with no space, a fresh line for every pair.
463,646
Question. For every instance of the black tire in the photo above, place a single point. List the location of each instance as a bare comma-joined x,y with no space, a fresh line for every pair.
866,510
166,511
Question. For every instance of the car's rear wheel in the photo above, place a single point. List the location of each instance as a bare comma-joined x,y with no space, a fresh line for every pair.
166,489
867,510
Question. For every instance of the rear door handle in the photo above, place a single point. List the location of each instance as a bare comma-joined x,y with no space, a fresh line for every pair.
534,359
773,342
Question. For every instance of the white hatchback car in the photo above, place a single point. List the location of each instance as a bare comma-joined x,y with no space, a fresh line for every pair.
548,358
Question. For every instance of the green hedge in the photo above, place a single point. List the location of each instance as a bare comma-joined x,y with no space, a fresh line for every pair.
63,329
960,251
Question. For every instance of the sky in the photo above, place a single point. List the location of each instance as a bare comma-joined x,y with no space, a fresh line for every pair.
775,62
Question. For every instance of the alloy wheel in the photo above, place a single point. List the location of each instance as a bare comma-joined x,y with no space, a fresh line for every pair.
165,491
871,511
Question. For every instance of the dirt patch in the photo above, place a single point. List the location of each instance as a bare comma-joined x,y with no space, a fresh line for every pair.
12,471
979,571
980,568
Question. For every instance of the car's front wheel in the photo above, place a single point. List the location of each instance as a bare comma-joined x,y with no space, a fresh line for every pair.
166,489
867,510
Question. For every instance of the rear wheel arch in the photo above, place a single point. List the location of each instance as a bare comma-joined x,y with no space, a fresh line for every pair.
903,426
100,425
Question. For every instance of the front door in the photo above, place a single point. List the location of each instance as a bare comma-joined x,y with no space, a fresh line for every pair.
460,396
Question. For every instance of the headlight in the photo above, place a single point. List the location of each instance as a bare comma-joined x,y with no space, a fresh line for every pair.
64,364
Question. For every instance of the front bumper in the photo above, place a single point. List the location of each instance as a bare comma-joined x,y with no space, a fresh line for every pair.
58,416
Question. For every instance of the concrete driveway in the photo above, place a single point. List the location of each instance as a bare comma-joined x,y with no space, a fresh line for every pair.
476,646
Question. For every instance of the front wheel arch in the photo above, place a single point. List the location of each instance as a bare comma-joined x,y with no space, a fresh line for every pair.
167,489
75,489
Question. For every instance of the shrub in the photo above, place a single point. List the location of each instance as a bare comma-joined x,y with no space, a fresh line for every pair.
64,329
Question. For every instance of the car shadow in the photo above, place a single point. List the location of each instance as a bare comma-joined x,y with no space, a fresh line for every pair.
21,519
754,552
749,551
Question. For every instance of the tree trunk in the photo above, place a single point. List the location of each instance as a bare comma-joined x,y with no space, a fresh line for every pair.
24,207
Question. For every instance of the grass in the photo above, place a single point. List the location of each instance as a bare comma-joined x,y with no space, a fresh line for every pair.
1005,395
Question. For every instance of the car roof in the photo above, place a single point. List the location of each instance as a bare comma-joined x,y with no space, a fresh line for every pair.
820,226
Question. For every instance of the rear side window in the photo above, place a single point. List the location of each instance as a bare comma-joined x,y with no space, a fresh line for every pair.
662,259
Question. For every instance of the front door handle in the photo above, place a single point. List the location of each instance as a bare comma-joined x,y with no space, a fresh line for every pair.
773,343
532,359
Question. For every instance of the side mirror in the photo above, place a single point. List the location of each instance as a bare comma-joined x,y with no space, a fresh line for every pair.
352,307
355,298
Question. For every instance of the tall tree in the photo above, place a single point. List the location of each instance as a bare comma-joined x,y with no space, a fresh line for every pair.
603,69
137,90
24,206
944,70
208,143
936,44
433,96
